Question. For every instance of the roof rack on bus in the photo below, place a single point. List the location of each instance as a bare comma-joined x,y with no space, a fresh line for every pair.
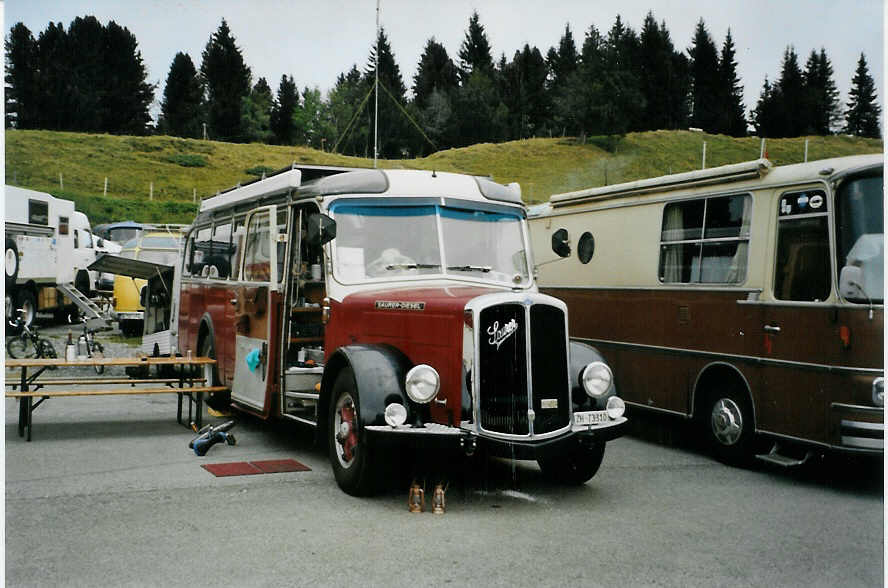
282,180
704,177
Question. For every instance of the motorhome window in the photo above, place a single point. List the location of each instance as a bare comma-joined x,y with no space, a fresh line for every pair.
63,225
237,247
257,254
802,268
705,241
221,249
860,235
281,240
123,234
87,239
38,213
76,240
200,252
165,257
379,242
161,242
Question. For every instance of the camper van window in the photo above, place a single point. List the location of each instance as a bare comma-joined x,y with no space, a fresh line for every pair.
63,225
257,254
802,269
237,247
87,239
38,212
222,249
281,241
705,241
200,252
860,235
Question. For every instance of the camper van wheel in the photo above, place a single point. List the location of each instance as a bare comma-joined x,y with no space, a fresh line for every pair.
217,400
11,262
349,453
575,466
729,426
27,302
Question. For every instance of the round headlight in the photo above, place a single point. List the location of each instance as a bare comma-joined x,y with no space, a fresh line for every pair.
879,391
422,383
615,407
597,378
395,414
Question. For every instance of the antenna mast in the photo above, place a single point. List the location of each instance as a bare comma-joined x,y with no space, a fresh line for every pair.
376,92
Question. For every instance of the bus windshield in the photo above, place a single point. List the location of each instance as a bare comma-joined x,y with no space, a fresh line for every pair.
381,242
860,239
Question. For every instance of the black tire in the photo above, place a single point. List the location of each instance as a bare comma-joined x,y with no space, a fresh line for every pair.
11,262
575,466
27,301
349,453
19,348
729,426
45,349
218,400
98,352
131,327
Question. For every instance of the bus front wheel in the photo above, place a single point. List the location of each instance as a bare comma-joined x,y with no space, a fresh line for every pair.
729,426
350,456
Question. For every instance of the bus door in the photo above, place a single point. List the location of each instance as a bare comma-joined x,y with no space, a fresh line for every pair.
799,330
255,303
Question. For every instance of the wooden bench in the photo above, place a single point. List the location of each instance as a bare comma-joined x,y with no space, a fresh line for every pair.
27,388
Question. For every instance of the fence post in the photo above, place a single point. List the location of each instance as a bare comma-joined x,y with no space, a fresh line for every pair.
105,191
151,191
61,182
194,195
806,150
704,155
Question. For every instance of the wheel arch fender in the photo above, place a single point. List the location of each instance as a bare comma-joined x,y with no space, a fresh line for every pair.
711,377
379,372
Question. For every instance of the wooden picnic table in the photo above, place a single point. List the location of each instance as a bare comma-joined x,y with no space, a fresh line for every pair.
25,388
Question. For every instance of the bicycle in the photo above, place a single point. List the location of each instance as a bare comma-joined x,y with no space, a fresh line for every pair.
86,341
28,344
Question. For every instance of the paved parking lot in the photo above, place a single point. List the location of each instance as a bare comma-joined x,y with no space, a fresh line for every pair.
109,494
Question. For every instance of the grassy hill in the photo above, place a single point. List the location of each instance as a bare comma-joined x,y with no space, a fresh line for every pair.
180,171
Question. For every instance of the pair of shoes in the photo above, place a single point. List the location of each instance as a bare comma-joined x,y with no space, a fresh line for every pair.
438,502
416,498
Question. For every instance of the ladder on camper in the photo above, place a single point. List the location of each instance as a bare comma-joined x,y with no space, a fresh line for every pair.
95,319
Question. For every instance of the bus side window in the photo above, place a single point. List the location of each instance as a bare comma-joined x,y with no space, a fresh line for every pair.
200,252
237,248
189,247
281,240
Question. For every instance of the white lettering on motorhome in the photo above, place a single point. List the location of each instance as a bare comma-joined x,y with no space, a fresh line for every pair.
395,305
499,335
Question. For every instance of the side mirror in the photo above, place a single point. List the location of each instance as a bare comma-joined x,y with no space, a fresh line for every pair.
561,243
850,280
321,229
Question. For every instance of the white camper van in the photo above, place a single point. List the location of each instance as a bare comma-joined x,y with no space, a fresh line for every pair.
48,246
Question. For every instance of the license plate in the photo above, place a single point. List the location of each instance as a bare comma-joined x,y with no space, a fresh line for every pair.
593,417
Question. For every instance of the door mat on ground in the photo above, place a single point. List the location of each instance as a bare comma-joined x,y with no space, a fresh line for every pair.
248,468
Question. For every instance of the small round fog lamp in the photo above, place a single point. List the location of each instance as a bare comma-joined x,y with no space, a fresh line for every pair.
395,414
615,407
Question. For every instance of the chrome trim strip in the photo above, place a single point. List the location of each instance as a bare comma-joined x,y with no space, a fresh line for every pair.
878,409
298,419
746,358
863,425
863,442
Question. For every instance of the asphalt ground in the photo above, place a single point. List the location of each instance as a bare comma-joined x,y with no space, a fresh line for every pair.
109,494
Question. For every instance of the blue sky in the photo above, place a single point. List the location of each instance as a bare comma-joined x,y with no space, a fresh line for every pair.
316,41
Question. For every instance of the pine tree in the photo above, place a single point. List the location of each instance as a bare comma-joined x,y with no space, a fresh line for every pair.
86,41
283,125
348,121
256,113
619,101
664,78
393,125
767,115
704,80
732,120
55,98
227,80
525,93
822,97
562,62
435,72
862,114
475,53
126,96
791,97
181,112
21,78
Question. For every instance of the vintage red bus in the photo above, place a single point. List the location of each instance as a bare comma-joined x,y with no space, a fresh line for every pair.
391,306
748,297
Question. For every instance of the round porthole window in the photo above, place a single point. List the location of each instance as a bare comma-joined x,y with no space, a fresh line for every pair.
586,247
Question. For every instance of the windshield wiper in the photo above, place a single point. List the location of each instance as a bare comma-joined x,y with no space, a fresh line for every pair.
470,268
392,266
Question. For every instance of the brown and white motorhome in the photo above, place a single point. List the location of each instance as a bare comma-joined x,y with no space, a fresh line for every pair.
748,297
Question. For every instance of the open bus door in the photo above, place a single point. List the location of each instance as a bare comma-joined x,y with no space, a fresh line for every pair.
255,301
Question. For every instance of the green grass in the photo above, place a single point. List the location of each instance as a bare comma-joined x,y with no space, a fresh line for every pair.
161,179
